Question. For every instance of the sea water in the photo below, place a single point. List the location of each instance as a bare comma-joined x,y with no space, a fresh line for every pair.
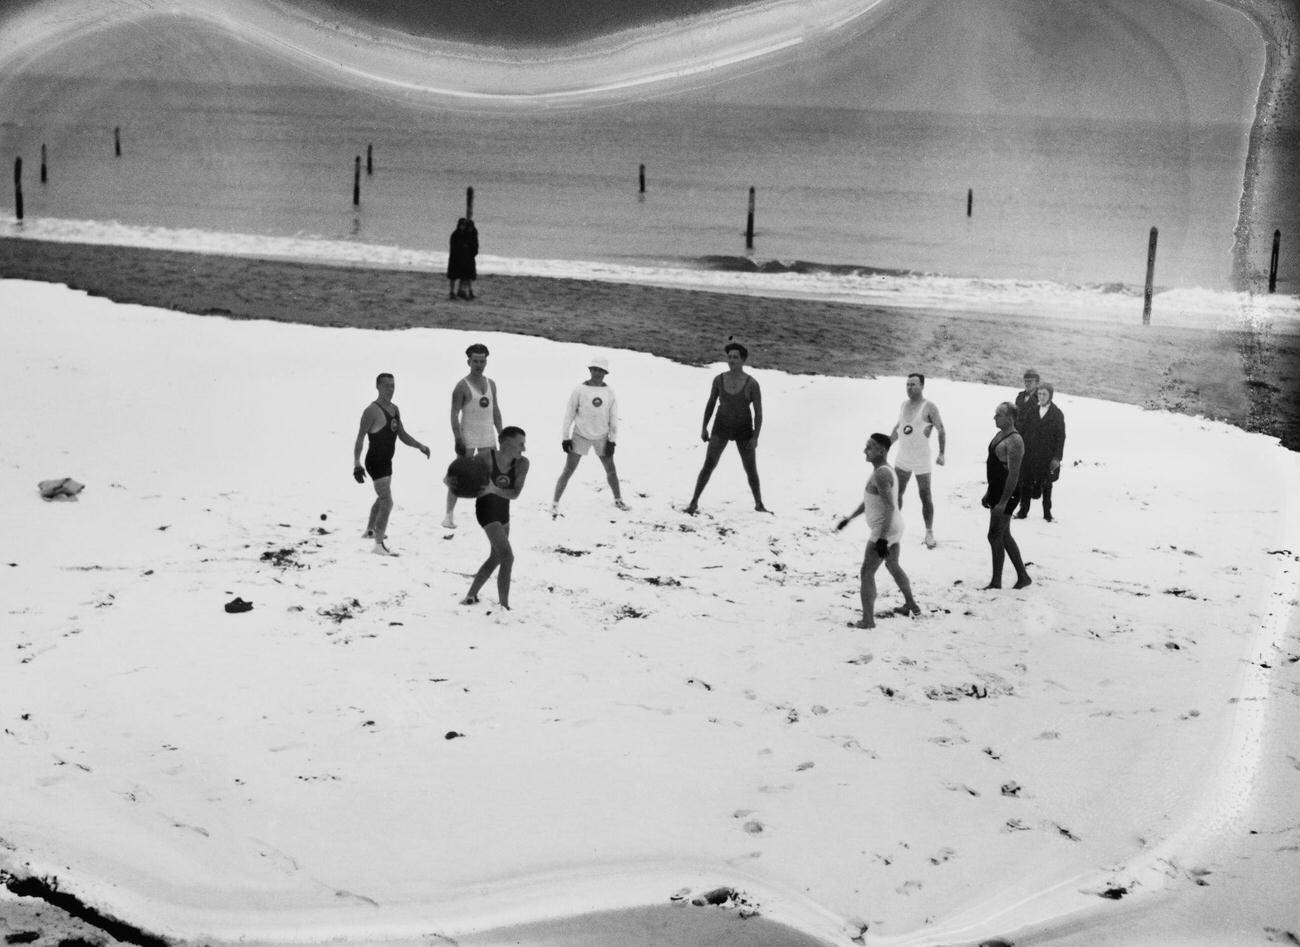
861,200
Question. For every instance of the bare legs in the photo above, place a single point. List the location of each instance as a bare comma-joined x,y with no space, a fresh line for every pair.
870,564
927,500
748,458
501,559
377,525
1003,546
571,464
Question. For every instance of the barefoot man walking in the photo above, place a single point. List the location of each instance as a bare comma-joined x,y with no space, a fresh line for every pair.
733,393
1006,453
382,423
916,419
506,471
475,415
886,524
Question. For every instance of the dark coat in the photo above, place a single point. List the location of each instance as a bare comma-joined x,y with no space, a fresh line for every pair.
1026,415
462,249
1047,444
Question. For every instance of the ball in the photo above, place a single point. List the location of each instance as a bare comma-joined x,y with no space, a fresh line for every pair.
466,477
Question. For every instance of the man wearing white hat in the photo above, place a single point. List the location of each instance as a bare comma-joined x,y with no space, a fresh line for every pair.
590,421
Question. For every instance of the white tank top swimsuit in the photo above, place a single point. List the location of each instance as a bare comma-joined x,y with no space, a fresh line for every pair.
477,428
913,446
875,507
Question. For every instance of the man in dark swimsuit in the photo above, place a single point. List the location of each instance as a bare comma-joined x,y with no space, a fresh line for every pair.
733,393
1006,453
382,423
506,471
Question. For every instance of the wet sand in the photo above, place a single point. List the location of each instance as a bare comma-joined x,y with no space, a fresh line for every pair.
1247,376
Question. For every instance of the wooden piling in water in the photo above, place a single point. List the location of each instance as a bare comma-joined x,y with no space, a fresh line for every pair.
117,142
970,200
641,177
749,223
1151,272
18,188
1272,263
469,203
43,175
370,160
356,183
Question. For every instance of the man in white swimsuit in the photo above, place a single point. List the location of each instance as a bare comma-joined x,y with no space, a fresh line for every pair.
916,419
475,415
590,421
886,524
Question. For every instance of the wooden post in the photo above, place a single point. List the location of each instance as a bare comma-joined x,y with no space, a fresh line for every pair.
1272,263
1151,272
469,203
749,223
356,183
642,179
117,142
970,200
18,187
43,175
370,160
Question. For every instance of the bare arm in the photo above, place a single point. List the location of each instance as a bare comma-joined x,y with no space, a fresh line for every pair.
408,440
943,434
367,422
521,474
756,399
1015,455
852,516
885,486
496,406
458,396
709,406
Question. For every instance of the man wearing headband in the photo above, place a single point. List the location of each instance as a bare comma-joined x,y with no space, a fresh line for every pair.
885,521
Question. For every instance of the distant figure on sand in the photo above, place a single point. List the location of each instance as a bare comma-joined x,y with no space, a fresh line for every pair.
916,419
1043,453
475,415
461,267
1006,455
506,469
382,423
886,524
590,421
737,392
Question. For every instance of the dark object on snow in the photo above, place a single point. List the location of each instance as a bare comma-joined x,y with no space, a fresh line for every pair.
237,604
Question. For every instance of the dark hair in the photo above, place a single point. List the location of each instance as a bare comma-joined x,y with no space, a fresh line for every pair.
919,377
381,376
1051,391
736,347
881,439
478,348
511,431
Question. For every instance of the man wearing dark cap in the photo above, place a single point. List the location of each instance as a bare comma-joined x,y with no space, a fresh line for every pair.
880,504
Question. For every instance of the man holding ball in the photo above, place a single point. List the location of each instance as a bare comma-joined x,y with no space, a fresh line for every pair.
880,504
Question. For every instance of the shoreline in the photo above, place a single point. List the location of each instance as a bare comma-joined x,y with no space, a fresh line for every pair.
1242,375
1277,25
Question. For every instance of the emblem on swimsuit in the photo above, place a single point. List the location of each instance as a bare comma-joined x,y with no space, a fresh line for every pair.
503,480
483,402
907,429
597,402
392,425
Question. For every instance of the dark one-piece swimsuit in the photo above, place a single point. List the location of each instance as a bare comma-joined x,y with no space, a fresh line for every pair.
379,455
490,508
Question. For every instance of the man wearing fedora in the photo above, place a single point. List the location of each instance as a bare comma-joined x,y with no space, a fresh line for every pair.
590,422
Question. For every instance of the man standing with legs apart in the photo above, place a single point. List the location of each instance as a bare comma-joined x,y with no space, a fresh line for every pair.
1006,454
382,423
475,415
886,524
506,471
590,421
737,392
916,419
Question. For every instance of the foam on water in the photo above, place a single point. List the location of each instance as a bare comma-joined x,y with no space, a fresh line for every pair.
1183,307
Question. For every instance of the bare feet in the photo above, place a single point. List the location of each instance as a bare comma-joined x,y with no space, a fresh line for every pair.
863,623
469,600
908,610
381,549
993,585
618,502
692,509
760,508
448,522
1023,581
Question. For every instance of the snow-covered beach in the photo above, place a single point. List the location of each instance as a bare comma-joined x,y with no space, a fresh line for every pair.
675,703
